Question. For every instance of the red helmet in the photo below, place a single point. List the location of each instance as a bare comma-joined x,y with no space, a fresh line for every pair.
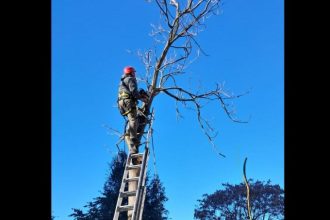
129,69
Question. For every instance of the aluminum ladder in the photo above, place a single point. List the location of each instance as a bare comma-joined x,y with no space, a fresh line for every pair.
140,192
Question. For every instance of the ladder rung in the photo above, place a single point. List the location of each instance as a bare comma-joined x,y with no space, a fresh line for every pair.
142,132
132,167
136,155
131,179
125,208
128,193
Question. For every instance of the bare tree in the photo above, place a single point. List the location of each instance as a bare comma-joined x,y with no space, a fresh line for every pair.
175,35
181,22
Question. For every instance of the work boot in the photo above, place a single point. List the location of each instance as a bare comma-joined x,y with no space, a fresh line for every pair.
135,141
137,160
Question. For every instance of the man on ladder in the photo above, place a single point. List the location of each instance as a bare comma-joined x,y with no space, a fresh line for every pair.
127,103
128,96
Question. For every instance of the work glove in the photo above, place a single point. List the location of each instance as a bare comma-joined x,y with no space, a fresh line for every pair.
144,95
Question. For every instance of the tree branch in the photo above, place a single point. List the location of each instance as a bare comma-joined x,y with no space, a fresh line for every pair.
247,190
180,30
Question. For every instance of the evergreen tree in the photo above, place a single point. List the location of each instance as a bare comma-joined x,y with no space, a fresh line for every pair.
103,207
154,208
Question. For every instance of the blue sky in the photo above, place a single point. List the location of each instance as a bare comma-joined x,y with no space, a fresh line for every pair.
90,44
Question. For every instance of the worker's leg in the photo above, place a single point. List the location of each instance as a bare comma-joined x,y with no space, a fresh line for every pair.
128,108
132,128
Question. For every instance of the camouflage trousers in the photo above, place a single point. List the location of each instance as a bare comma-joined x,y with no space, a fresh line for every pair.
129,107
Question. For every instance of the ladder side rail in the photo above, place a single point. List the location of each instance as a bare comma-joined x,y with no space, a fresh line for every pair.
142,197
144,188
138,193
142,204
122,187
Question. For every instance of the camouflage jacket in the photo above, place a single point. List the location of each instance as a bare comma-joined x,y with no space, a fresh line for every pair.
128,84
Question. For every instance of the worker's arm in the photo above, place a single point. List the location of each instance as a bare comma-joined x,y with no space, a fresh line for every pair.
133,88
